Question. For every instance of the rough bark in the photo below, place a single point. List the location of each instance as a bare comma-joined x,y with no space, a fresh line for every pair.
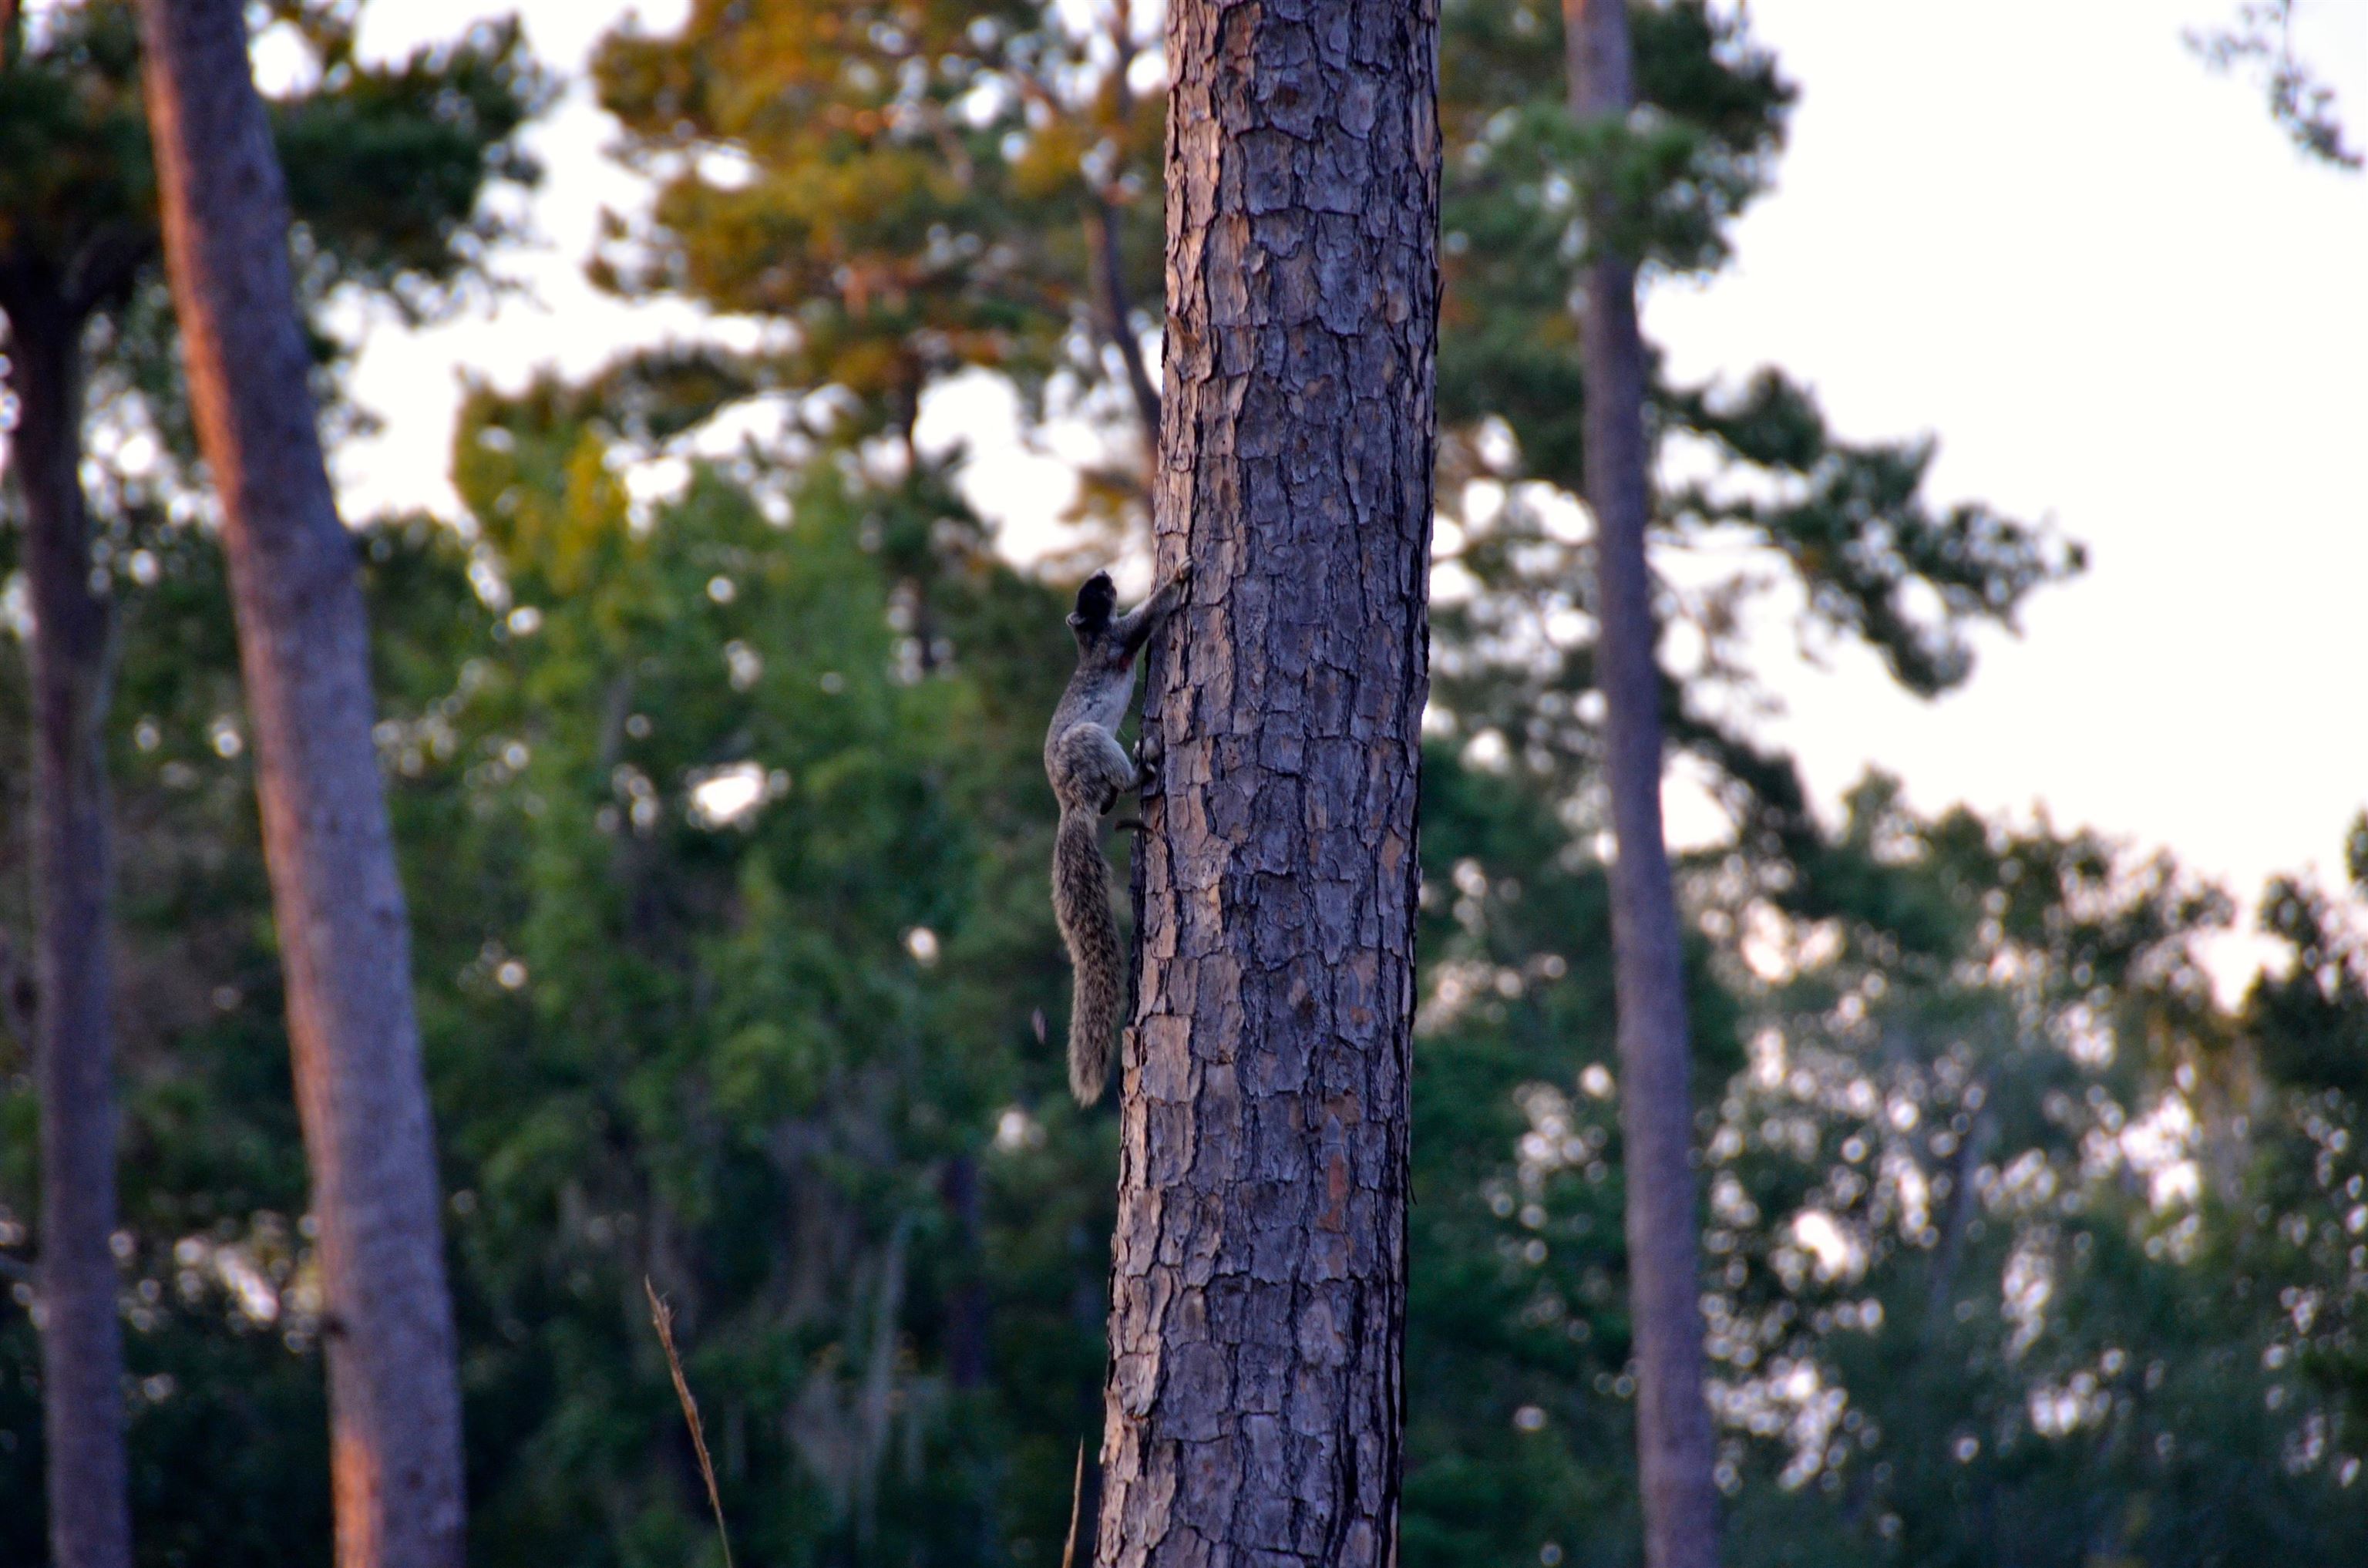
82,1337
1673,1433
1254,1407
394,1408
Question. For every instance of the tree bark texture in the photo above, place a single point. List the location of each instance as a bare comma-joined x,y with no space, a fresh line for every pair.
1673,1432
344,939
1256,1406
82,1336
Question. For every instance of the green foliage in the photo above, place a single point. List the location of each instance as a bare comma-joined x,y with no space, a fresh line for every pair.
73,135
2002,1172
696,1035
753,902
905,182
2301,104
2314,1016
1873,558
1853,525
386,166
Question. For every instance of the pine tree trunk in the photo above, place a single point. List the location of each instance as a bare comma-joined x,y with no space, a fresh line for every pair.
82,1337
345,948
1255,1404
1673,1434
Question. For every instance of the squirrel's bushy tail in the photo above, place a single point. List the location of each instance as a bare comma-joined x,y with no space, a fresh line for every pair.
1081,903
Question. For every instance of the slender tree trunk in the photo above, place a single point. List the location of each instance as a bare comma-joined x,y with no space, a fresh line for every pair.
344,946
1256,1405
1674,1449
82,1337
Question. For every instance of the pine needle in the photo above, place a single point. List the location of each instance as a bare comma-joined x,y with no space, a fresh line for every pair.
1076,1496
663,1316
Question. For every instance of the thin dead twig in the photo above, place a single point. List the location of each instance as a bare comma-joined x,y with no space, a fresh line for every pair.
1076,1496
663,1316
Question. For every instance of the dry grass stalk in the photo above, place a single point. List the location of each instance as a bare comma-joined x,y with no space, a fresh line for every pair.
663,1316
1076,1496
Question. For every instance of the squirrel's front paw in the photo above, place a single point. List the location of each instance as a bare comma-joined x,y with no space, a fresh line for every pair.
1148,754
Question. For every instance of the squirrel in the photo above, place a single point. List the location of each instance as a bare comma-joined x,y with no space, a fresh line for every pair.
1089,770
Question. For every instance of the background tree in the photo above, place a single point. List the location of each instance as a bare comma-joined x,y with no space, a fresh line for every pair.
77,263
394,1402
1871,554
922,189
1259,1271
1655,1059
56,269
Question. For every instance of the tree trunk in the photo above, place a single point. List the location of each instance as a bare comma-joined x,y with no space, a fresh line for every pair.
1255,1402
304,648
82,1337
1674,1449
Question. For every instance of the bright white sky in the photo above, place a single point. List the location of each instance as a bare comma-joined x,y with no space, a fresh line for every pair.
2038,228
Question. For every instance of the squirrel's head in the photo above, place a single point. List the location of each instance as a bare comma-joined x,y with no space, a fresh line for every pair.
1096,601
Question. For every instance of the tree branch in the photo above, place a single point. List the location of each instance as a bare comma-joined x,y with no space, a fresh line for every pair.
1101,238
1109,297
2302,106
104,265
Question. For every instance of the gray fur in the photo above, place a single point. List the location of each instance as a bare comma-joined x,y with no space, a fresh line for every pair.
1089,770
